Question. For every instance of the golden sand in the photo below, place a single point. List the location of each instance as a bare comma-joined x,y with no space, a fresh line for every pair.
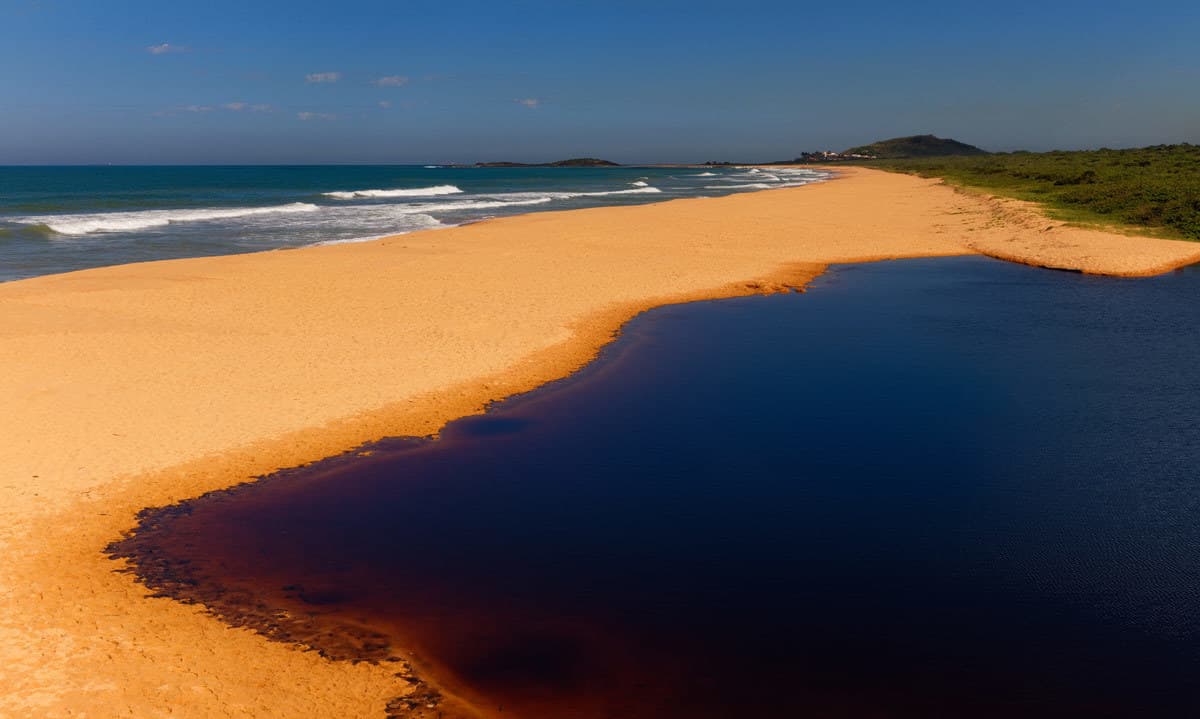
140,385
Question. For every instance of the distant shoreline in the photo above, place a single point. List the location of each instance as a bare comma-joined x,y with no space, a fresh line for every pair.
144,384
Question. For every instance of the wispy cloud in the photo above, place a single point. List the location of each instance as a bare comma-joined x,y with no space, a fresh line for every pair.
385,104
317,77
306,116
230,106
530,102
173,111
165,47
391,81
247,107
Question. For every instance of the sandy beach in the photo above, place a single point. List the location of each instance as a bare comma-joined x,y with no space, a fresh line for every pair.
140,385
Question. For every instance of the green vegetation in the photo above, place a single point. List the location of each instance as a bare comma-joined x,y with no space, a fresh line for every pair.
914,146
1156,187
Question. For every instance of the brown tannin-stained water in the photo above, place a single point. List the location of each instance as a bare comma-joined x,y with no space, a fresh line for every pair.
949,487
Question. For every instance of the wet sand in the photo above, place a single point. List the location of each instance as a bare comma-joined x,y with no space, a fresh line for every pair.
142,385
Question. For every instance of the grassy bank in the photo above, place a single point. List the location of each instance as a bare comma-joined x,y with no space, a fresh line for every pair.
1151,187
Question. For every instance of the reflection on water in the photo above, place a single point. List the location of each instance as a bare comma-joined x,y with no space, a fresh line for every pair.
925,488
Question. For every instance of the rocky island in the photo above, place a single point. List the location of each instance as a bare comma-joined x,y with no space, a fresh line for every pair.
574,162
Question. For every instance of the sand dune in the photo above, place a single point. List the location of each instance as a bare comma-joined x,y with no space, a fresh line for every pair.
138,385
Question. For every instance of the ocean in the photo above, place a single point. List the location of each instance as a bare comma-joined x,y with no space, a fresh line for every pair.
59,219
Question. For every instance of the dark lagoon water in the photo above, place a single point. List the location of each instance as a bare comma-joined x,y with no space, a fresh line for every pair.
935,488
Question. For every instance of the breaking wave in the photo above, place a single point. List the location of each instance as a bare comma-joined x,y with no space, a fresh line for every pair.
411,192
469,205
133,221
416,222
635,191
747,186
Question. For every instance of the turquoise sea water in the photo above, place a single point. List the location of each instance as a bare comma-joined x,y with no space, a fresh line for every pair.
58,219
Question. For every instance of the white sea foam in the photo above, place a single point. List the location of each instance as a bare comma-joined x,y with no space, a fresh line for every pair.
467,205
495,201
414,223
640,183
634,191
514,197
133,221
746,186
410,192
385,219
355,240
796,172
707,174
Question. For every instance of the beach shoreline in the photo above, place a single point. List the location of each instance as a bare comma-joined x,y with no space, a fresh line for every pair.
144,385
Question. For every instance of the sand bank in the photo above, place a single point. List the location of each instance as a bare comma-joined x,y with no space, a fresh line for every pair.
140,385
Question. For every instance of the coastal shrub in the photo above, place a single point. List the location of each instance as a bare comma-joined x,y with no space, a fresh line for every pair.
1156,187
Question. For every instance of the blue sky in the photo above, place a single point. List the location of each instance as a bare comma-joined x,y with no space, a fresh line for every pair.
127,81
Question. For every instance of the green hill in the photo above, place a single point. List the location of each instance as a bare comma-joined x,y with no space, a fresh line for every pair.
915,146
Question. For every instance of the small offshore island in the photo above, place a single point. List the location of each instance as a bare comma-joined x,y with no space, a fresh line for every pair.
576,162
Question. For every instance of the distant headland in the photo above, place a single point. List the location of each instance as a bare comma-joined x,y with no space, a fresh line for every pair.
897,148
900,148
